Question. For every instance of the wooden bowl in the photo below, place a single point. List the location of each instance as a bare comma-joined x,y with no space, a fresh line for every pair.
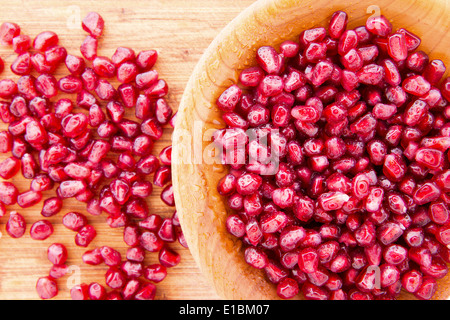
201,209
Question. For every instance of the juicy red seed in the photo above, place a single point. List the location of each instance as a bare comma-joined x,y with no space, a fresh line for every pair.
8,31
47,85
94,24
150,241
127,94
379,25
168,257
45,40
16,225
29,198
55,55
46,288
338,24
287,288
103,67
111,257
22,64
126,72
92,257
268,59
146,59
74,220
7,88
397,47
57,253
41,230
85,236
96,291
89,48
155,272
21,43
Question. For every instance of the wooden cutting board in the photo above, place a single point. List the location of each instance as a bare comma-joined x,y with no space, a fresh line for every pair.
180,30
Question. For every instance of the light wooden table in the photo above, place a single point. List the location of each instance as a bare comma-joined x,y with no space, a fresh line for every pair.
179,30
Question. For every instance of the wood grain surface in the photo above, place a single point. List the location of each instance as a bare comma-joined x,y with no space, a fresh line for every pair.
180,30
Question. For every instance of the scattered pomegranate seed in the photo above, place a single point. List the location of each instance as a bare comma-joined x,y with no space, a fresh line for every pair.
358,193
46,288
41,230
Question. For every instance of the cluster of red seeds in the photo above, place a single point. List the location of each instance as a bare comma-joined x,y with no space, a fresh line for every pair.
348,199
100,158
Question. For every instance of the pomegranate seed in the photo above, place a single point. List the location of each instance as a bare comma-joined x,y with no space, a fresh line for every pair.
22,64
21,43
58,270
146,292
8,31
111,257
379,25
426,289
89,48
93,24
55,55
155,272
16,225
29,198
7,88
45,40
74,221
145,60
338,24
287,288
46,288
85,236
96,291
103,67
57,253
41,230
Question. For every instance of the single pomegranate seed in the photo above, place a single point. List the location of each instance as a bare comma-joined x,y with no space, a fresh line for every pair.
379,25
16,225
41,230
46,288
45,40
21,43
397,47
8,31
57,253
338,24
287,288
29,198
92,257
96,291
427,289
22,64
103,67
80,292
126,72
7,88
74,221
58,270
85,236
89,48
146,292
145,60
93,24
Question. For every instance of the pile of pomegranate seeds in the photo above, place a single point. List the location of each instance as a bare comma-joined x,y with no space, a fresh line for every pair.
339,168
86,148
